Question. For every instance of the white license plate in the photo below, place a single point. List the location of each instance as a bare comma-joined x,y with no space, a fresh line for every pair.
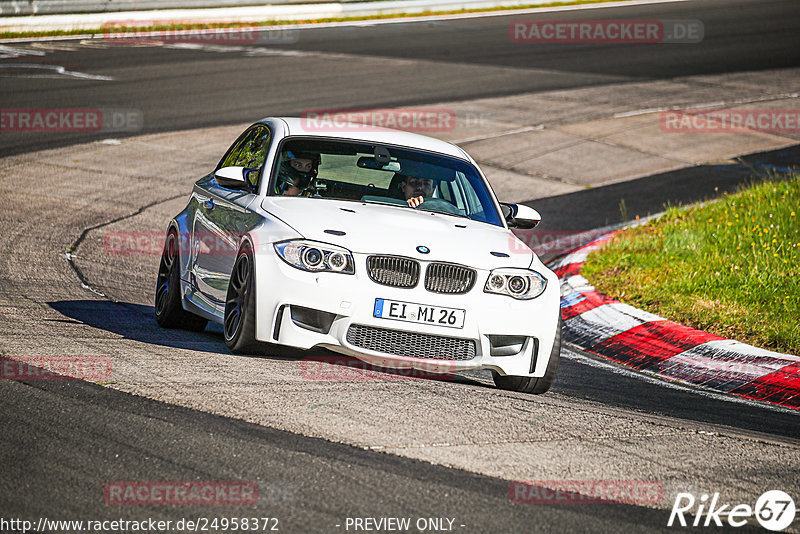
419,313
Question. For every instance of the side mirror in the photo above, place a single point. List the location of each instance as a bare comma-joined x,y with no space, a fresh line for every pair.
233,177
520,216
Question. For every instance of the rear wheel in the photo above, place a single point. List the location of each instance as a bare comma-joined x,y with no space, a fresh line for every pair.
240,304
533,385
169,311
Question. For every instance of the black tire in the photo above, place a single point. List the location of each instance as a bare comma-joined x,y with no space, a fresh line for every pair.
533,385
169,311
240,305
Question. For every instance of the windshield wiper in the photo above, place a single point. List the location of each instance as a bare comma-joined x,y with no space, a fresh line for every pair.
375,199
443,212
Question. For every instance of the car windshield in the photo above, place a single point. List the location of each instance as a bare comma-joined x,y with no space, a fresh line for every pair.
363,172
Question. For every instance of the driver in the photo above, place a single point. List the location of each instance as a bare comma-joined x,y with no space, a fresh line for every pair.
295,174
416,190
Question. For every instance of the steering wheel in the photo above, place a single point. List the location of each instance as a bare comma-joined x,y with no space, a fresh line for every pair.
437,204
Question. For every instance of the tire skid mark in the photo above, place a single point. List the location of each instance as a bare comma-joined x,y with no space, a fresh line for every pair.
70,254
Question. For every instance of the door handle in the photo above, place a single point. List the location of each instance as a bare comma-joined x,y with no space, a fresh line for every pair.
209,204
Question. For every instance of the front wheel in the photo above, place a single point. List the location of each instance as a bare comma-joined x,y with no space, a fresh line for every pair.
533,385
240,304
169,311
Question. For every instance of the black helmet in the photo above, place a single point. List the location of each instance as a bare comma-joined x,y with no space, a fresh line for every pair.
289,176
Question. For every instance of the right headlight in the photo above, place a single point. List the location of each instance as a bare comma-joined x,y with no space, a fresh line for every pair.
316,257
521,284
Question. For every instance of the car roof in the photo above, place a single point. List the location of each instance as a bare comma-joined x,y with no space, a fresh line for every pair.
374,134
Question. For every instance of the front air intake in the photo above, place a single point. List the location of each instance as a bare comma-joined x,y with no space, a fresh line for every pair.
411,344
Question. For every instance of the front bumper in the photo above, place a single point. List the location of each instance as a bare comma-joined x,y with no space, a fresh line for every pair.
350,300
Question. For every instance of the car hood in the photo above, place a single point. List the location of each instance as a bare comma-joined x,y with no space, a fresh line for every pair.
396,230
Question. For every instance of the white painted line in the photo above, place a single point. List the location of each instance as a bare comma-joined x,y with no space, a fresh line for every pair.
500,134
56,72
6,52
769,98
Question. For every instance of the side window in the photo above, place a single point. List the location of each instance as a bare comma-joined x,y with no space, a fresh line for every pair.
254,151
233,153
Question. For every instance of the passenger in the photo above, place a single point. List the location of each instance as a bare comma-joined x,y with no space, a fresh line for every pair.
296,173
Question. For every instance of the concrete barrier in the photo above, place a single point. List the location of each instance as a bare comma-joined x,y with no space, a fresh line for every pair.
59,7
191,13
63,7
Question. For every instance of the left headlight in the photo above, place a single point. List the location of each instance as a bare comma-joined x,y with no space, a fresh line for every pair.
518,283
316,257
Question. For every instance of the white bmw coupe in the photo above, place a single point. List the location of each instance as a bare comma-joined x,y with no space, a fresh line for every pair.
384,245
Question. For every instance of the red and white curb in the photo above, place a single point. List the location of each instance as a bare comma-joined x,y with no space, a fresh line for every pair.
602,326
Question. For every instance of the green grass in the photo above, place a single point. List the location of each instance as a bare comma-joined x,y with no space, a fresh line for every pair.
174,27
728,267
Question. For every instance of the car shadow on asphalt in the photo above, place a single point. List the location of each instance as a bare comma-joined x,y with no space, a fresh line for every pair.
137,322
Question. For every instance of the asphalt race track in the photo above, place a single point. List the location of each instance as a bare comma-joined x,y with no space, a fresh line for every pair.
181,87
179,407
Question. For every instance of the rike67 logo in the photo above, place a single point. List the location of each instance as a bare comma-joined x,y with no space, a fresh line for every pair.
774,510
